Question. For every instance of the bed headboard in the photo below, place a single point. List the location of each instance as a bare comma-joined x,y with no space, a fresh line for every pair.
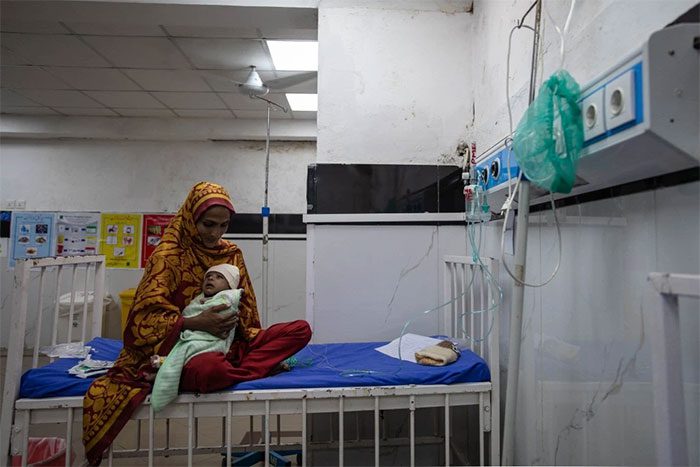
473,312
39,285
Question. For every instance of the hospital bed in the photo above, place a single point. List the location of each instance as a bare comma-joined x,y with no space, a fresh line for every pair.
344,380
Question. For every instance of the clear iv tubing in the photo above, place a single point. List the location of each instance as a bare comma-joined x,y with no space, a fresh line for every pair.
491,281
503,237
562,33
511,196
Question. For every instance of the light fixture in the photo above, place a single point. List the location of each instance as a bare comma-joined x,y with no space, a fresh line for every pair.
294,55
303,102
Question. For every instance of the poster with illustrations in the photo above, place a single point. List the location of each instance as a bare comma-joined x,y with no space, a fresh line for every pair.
77,233
153,227
32,235
120,239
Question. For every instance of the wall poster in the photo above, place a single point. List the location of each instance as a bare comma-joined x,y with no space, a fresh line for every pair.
120,239
153,227
32,235
77,233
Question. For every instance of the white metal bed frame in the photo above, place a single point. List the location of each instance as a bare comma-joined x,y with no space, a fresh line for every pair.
465,287
669,406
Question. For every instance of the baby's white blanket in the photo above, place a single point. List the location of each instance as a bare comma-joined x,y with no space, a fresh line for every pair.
191,343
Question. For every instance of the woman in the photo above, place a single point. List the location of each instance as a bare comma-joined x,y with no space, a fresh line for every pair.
191,244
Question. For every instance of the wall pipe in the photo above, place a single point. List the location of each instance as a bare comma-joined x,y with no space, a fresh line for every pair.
516,317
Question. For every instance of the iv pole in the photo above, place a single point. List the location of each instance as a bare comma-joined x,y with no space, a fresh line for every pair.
266,215
516,315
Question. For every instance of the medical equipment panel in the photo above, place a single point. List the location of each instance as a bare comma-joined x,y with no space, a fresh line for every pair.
640,120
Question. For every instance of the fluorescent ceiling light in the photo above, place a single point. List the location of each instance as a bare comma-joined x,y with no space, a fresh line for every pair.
303,102
294,55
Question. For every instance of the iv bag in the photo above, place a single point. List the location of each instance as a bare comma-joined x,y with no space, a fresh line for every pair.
548,140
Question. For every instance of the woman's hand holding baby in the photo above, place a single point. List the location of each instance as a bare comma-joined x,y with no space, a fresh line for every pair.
211,321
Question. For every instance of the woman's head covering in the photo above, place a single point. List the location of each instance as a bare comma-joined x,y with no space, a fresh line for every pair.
182,230
207,195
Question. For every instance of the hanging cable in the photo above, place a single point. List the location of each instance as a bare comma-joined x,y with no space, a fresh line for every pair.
503,259
511,194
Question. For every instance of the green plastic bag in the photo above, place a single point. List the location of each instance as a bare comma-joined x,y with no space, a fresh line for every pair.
548,140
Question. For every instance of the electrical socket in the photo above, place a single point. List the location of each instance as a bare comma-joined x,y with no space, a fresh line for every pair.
593,112
620,100
15,204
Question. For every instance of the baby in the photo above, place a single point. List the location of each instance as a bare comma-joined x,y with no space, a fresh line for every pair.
219,287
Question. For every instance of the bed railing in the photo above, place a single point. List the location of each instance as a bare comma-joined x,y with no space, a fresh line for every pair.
471,287
38,282
669,406
472,315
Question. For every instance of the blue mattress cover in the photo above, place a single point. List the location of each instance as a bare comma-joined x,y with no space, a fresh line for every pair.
317,366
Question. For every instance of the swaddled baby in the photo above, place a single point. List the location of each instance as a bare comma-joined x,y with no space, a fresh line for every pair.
219,287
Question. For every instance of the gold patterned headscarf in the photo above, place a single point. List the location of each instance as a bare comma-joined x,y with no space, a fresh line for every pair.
175,269
172,278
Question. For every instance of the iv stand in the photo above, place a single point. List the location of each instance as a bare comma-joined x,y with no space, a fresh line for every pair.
516,315
266,215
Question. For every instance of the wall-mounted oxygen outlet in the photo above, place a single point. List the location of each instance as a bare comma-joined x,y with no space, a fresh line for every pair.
593,112
620,101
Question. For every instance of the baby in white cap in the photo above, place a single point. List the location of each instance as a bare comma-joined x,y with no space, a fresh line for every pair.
220,286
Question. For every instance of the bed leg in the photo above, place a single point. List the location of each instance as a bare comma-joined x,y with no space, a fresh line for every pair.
482,428
447,429
69,432
487,412
412,409
376,431
191,432
303,431
229,422
341,430
21,431
266,422
151,429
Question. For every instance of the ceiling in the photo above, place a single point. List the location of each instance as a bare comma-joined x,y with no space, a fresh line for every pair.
143,60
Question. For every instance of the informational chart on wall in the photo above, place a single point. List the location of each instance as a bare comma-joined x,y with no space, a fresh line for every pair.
120,239
32,235
153,227
77,233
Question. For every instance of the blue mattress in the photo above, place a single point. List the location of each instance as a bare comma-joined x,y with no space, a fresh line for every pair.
316,366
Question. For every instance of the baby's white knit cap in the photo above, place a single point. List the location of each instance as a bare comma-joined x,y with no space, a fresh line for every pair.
230,272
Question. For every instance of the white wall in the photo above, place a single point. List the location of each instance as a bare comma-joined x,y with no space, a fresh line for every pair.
155,176
145,176
391,82
585,395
